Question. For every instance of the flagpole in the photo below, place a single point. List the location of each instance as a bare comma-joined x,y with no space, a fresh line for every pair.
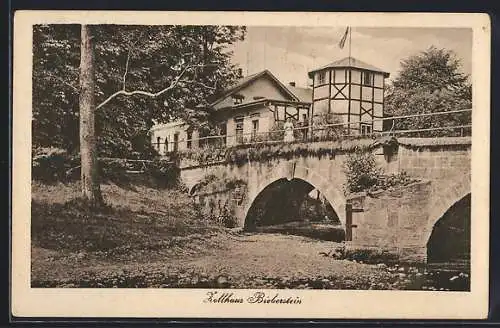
350,33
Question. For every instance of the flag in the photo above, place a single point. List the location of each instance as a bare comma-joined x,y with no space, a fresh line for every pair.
342,41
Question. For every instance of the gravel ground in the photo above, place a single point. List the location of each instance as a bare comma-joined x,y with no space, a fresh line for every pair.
258,260
152,238
227,261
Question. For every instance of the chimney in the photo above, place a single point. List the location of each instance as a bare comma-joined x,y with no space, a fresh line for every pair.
292,84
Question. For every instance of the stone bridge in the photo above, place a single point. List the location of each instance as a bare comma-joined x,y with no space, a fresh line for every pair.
399,220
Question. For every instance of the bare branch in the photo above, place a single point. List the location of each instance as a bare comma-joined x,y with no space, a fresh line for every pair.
126,68
130,48
152,94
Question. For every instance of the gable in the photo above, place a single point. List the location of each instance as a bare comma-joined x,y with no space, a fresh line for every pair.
261,87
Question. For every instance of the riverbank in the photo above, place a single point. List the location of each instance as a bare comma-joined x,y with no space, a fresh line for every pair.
151,238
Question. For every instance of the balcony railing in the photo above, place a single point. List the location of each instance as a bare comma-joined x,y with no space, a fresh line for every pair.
433,125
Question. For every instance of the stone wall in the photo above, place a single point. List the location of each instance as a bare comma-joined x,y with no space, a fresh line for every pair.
435,163
393,221
400,221
215,205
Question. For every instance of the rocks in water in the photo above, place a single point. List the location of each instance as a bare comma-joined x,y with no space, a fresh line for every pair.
68,285
413,270
222,282
337,255
452,279
382,266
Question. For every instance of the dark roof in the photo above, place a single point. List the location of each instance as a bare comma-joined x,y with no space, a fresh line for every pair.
353,62
304,94
248,79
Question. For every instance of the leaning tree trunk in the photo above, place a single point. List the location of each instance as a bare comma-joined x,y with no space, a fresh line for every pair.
89,171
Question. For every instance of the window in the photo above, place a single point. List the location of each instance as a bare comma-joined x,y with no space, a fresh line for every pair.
166,145
189,137
158,142
238,99
176,141
304,118
367,78
366,129
239,130
321,77
255,128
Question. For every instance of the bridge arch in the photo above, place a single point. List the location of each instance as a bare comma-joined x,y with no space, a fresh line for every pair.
333,194
445,199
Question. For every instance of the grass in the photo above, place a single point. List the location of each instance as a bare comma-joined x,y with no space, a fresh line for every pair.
138,225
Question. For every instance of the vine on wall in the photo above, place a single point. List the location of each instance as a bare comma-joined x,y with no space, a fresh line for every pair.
362,174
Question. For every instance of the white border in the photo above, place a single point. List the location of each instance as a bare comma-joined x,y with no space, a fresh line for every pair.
28,301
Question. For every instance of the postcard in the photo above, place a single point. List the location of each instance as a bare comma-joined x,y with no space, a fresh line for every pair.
250,165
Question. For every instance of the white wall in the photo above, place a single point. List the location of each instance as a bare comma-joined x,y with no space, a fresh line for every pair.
262,87
367,94
266,121
168,132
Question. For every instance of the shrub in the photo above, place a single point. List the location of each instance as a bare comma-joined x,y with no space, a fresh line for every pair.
361,171
113,170
370,256
212,183
50,165
227,219
164,173
206,154
394,180
322,130
276,133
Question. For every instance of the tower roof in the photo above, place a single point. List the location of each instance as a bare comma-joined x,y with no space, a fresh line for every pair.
350,62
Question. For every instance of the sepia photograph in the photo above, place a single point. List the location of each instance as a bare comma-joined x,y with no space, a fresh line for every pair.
233,157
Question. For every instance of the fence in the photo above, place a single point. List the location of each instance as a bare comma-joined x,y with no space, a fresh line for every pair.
394,126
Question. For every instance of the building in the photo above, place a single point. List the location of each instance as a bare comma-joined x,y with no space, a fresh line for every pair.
169,137
351,89
258,104
248,111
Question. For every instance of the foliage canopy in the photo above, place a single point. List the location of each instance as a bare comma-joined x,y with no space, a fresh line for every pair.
430,82
194,60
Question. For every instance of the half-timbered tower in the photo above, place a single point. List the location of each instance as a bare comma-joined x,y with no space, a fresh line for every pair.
352,89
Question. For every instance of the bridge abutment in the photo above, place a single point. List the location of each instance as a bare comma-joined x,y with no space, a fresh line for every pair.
399,221
393,221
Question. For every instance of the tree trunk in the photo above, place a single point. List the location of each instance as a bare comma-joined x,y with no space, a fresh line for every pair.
91,189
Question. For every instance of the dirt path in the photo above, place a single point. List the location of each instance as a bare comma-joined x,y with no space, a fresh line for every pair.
284,261
230,261
274,255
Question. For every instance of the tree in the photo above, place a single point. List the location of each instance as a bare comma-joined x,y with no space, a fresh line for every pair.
429,82
89,171
133,64
185,64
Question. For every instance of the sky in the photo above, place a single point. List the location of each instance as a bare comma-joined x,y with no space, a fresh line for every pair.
290,52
